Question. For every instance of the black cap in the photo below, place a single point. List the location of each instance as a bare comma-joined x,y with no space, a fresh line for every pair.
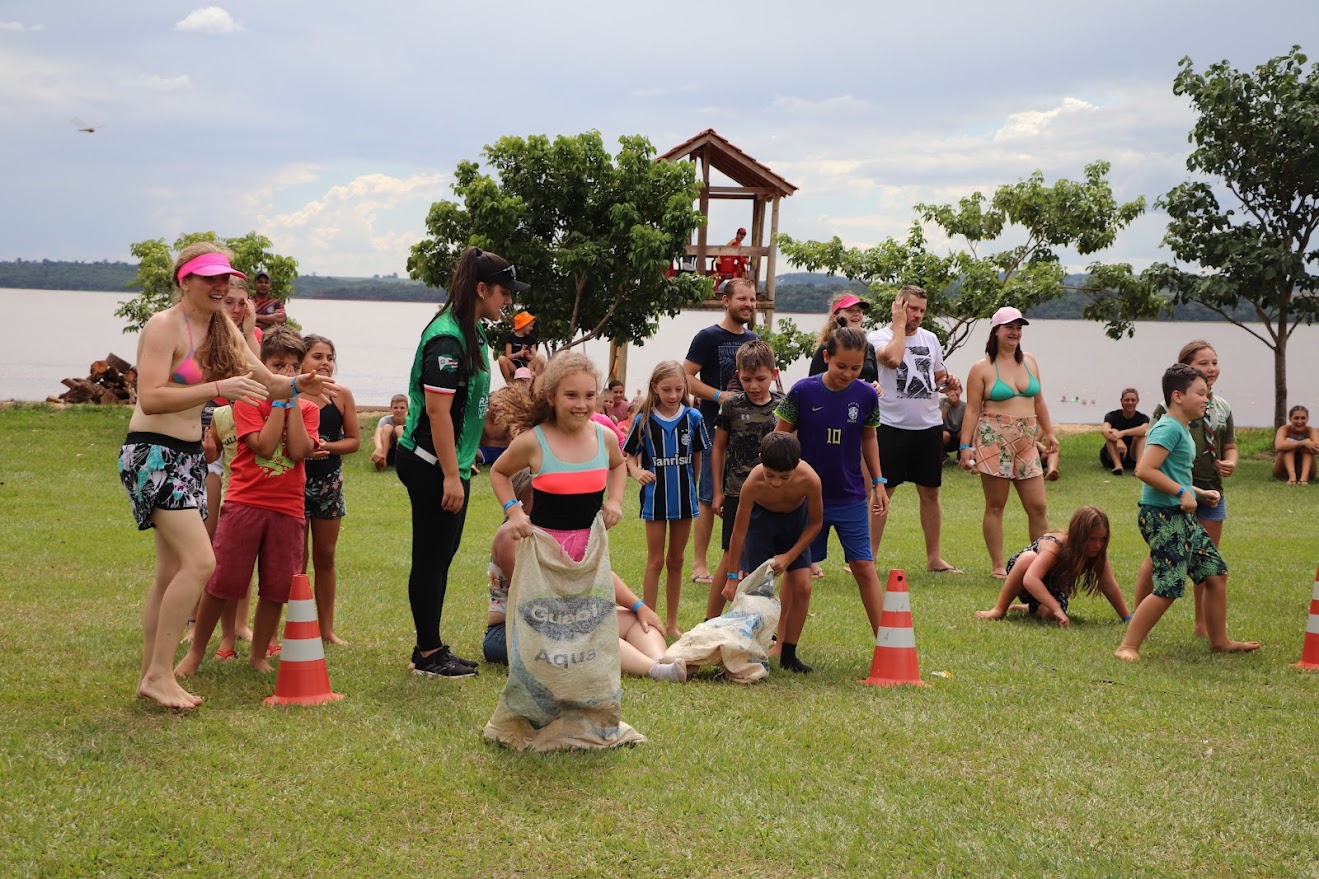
261,274
508,276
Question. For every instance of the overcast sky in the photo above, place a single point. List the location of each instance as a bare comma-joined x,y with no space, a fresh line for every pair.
331,126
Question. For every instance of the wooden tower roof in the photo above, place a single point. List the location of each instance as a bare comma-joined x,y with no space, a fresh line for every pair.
732,162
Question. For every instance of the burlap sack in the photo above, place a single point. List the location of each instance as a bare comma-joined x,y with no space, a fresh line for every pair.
739,640
563,687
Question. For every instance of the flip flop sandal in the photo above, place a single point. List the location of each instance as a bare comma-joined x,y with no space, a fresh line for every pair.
274,650
226,654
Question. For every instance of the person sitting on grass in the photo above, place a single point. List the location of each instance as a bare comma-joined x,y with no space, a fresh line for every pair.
1296,443
779,513
263,516
1179,545
520,347
388,429
1046,575
640,636
1124,434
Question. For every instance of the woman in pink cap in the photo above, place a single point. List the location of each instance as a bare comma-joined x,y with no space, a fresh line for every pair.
846,310
1005,413
186,355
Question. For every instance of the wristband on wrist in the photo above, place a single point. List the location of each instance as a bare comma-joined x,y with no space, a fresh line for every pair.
717,394
1127,618
293,386
963,447
879,480
279,404
732,575
637,605
1181,490
513,503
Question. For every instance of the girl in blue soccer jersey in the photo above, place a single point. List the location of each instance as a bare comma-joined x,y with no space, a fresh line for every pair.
663,452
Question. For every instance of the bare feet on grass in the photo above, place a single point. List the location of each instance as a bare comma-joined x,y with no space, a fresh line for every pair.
1127,654
1235,647
168,693
260,664
331,638
999,573
991,614
187,666
673,633
1201,631
939,566
244,634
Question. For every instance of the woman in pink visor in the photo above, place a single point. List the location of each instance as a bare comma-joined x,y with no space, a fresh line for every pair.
186,355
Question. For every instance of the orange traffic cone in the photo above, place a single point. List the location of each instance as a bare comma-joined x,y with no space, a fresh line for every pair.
895,642
1310,649
303,678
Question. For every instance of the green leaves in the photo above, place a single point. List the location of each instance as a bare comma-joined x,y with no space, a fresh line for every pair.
593,234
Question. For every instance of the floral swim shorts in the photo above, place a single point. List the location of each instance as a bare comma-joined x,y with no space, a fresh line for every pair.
1004,446
324,496
162,472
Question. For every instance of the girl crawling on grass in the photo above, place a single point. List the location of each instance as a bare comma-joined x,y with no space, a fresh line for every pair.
1049,572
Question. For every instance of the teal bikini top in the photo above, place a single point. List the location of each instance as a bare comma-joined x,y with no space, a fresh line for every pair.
1003,391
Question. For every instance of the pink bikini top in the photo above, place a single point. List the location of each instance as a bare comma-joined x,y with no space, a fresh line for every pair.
189,372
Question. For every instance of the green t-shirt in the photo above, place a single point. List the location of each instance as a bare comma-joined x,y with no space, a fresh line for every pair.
440,367
1172,435
1212,434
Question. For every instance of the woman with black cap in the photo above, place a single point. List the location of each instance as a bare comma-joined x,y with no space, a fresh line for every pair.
447,392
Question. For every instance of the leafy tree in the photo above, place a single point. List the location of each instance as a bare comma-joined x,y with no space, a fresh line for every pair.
155,271
1257,133
592,234
969,284
788,342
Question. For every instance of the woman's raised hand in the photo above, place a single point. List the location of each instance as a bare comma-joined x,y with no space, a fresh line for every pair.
242,387
315,383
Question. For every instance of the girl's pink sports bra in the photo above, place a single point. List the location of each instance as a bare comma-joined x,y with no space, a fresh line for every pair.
189,372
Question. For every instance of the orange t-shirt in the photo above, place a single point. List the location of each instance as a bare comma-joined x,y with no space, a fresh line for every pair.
276,483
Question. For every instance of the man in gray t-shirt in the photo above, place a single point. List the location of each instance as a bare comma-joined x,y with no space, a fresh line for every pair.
912,373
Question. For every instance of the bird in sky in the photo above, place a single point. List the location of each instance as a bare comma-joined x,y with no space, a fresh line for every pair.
82,127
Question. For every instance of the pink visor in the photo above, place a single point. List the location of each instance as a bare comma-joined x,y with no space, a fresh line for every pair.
209,265
848,301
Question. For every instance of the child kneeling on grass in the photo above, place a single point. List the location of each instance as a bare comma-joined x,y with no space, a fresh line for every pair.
1179,545
262,517
779,513
1046,575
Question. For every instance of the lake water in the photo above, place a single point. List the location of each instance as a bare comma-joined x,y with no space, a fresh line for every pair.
376,340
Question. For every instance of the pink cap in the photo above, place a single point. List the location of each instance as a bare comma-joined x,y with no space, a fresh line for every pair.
209,265
849,300
1006,315
522,373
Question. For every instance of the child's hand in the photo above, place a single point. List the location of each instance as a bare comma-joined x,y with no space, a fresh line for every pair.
249,318
717,502
880,505
1226,468
648,618
645,477
730,586
613,510
1062,619
1208,497
519,523
779,564
1187,502
378,456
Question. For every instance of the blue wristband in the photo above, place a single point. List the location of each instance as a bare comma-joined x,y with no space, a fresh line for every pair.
963,448
637,605
879,480
1127,618
1181,490
513,503
279,404
293,386
717,394
733,576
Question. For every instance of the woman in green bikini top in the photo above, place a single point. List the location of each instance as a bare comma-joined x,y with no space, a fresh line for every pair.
1005,425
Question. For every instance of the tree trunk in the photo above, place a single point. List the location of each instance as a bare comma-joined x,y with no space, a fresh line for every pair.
1280,379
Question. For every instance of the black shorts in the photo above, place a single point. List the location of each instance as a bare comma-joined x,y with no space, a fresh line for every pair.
911,455
771,534
729,517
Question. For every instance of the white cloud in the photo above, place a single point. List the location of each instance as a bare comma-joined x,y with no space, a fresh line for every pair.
1031,123
209,20
149,82
20,26
837,104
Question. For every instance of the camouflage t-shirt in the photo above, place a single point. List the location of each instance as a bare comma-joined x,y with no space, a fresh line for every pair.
746,425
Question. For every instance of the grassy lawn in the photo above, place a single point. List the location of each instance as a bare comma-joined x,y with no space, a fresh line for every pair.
1040,755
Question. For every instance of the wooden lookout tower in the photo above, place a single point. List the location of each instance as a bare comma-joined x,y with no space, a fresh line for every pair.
754,183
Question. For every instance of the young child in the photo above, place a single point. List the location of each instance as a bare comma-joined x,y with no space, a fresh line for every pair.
1179,544
262,516
1296,443
745,417
520,347
779,513
340,434
835,416
640,642
663,452
388,430
1047,574
576,464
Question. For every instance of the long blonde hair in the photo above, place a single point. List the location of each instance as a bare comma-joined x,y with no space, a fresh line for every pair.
664,369
525,412
223,354
831,322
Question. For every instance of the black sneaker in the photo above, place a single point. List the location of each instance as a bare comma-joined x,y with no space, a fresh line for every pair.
441,664
416,657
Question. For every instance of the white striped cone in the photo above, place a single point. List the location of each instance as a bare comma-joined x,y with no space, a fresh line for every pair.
1310,647
895,659
303,677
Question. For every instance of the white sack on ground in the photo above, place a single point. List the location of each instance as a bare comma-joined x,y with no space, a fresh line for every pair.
739,640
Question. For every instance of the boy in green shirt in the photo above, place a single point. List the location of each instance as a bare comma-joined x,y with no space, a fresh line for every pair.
1179,545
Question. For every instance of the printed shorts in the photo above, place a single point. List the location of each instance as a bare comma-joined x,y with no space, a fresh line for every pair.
162,472
1005,447
1179,548
1032,603
323,496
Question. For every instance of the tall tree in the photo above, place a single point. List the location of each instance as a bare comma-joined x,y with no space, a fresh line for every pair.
971,283
593,234
155,271
1257,139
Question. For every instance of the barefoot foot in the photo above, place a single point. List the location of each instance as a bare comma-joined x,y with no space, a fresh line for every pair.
999,574
1201,631
1128,654
186,668
167,693
994,614
331,638
244,634
259,664
1235,647
673,633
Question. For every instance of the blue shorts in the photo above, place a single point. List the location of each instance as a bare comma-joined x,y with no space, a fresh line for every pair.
852,522
771,534
1216,513
493,645
705,486
490,454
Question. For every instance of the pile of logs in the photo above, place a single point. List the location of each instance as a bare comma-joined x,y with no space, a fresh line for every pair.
112,380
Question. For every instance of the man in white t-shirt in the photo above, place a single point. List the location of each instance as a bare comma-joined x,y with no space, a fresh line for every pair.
912,373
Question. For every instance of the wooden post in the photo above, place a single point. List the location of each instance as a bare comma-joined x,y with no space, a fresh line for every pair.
618,360
757,236
771,263
702,234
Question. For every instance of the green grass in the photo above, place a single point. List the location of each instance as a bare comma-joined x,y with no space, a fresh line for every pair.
1040,755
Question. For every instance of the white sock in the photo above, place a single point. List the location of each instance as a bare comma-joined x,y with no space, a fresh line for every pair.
669,671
